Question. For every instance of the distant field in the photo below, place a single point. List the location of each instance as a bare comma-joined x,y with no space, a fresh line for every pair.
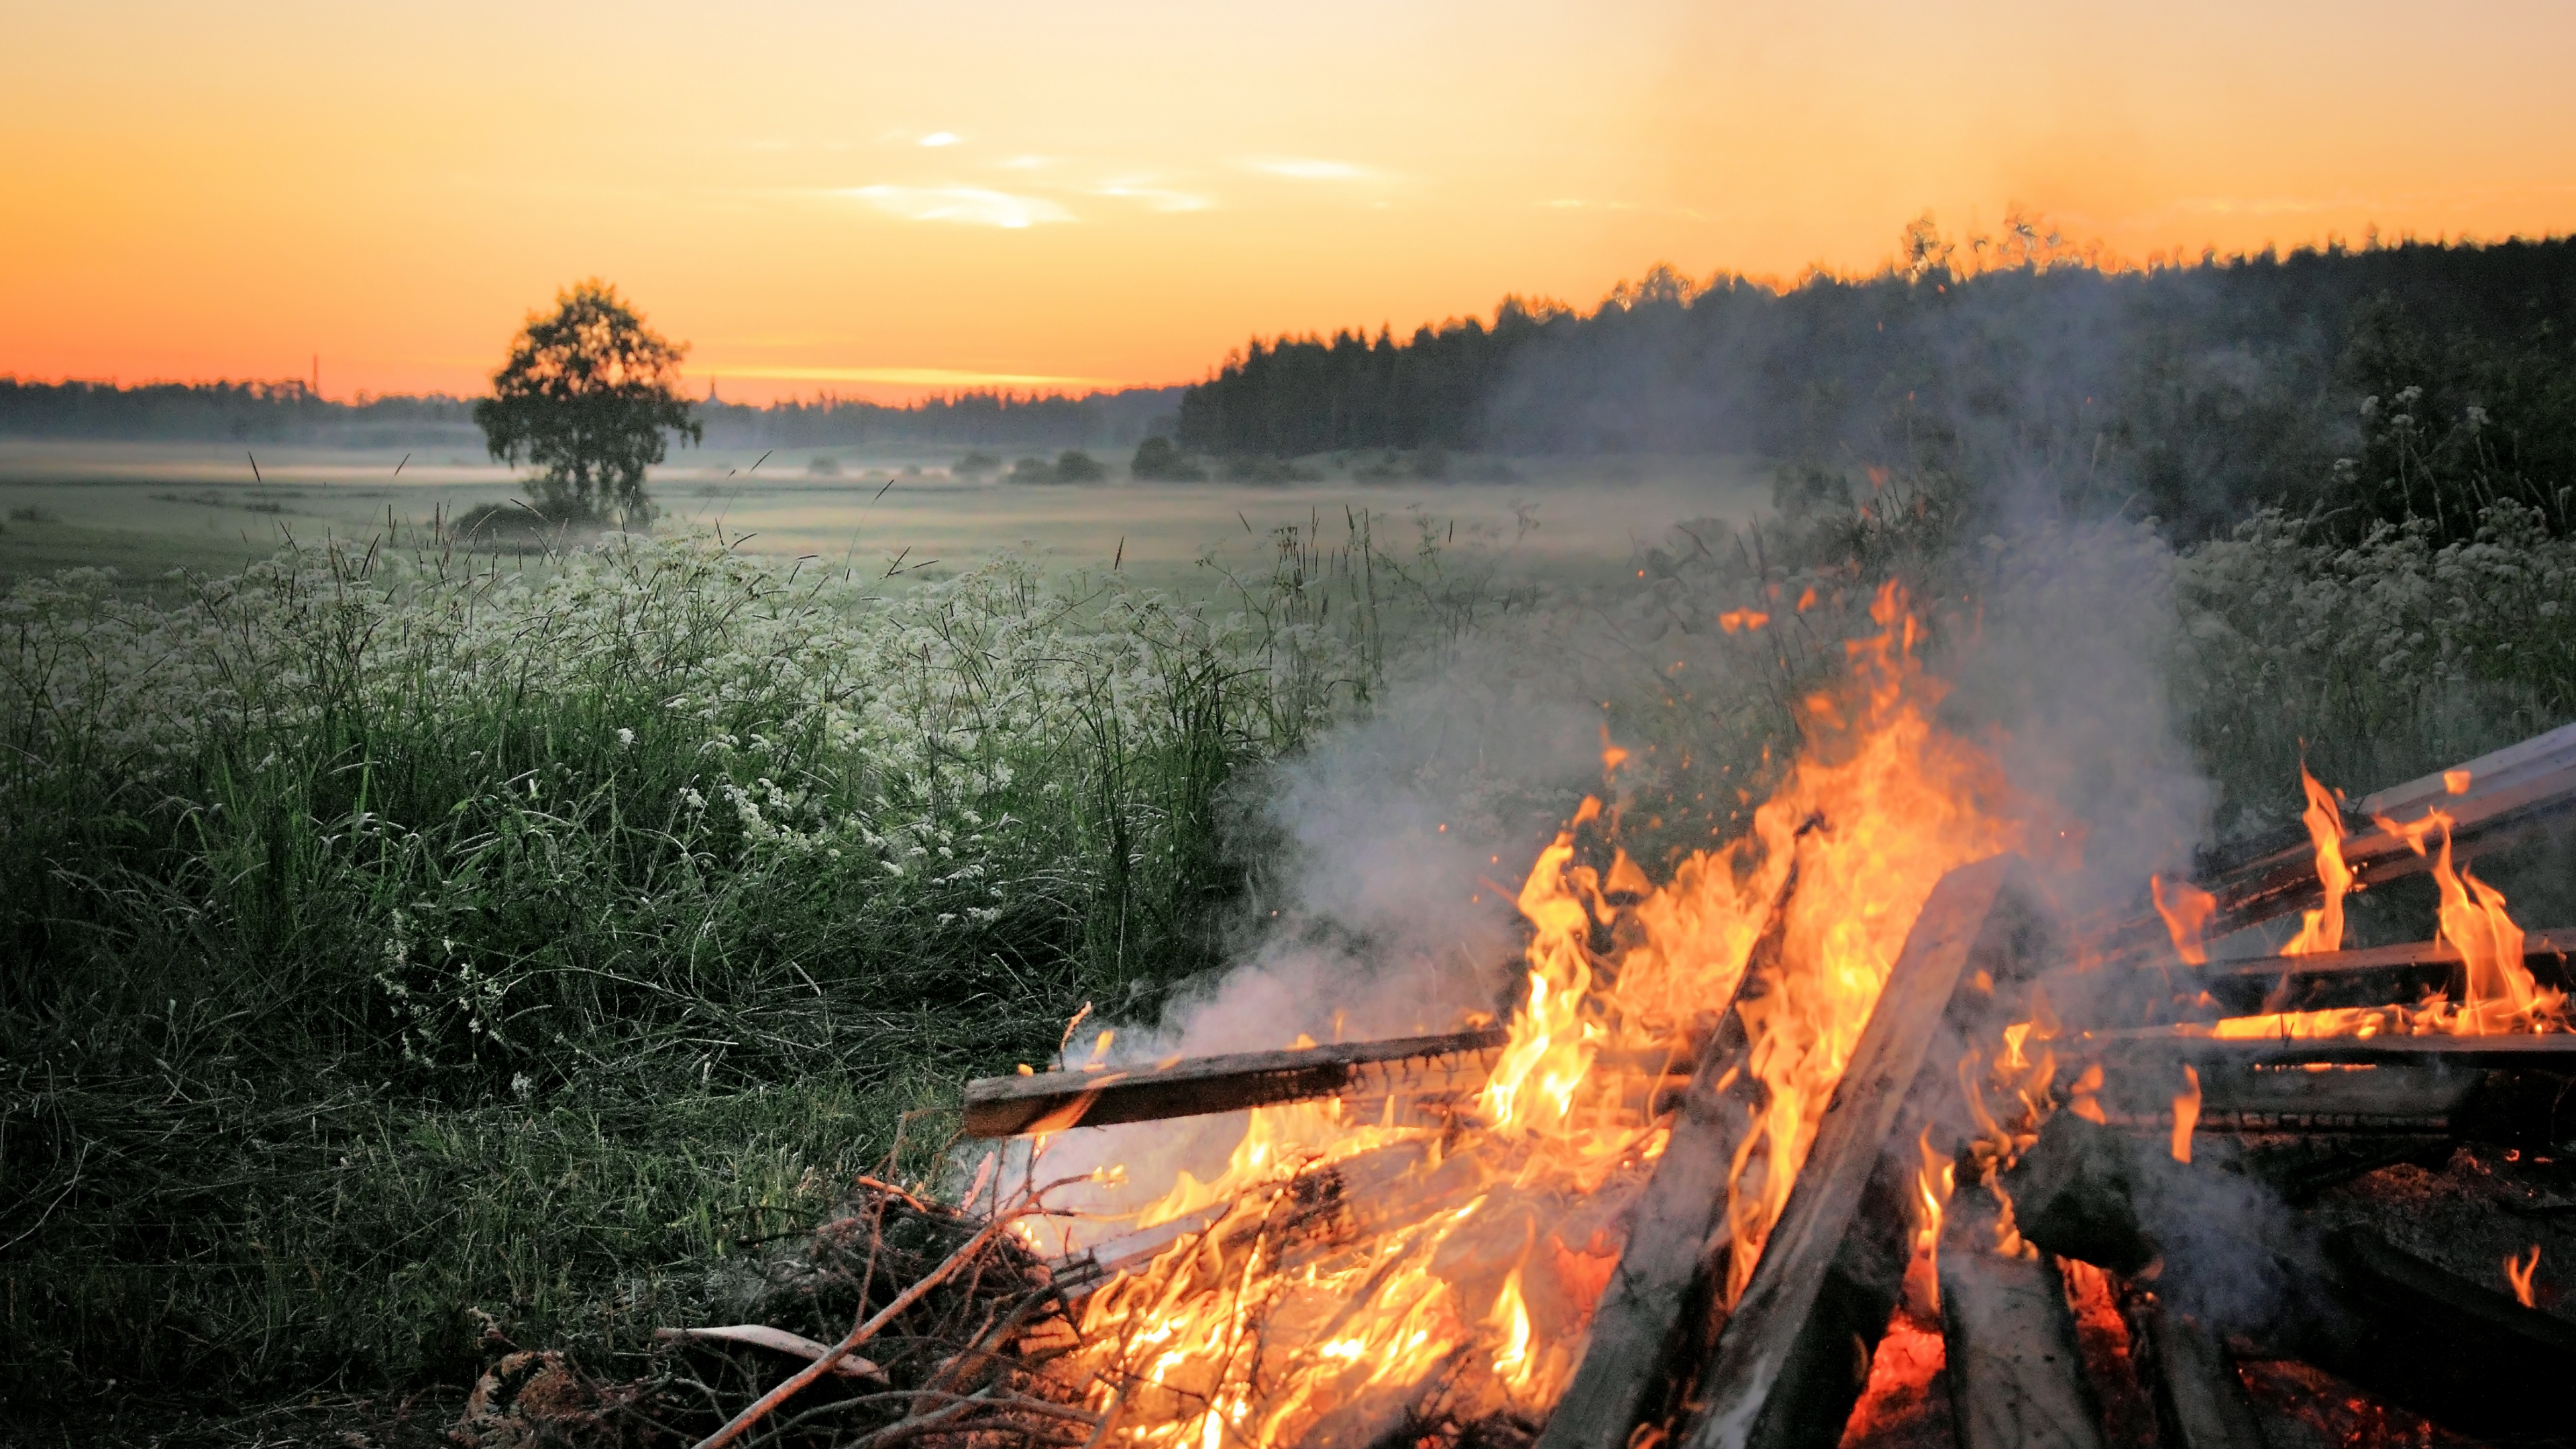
145,508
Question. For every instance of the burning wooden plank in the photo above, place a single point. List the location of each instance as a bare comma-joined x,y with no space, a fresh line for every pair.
2370,976
1668,1265
2509,796
1781,1373
1053,1101
2008,1340
2167,1048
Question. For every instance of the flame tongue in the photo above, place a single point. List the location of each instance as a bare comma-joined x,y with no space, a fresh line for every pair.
1249,1334
2324,926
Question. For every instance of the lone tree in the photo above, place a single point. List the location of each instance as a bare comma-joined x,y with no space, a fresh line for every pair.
587,395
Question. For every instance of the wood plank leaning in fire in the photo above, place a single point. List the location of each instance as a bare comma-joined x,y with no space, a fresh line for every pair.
1673,1254
2008,1339
1782,1373
2511,794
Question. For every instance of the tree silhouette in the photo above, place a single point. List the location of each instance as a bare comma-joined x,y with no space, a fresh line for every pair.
587,395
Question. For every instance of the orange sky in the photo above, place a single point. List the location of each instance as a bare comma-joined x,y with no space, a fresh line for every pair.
875,198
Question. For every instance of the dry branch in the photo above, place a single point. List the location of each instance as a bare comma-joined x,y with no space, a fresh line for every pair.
1053,1101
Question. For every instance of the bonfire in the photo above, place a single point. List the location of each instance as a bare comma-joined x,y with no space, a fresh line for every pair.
1846,1131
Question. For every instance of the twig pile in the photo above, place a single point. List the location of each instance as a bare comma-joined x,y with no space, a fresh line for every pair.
900,1321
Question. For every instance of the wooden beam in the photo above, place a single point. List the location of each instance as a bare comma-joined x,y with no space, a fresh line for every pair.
1790,1362
2273,875
1054,1101
2200,1402
2153,1048
1656,1312
2370,976
2016,1375
2248,1087
2463,1355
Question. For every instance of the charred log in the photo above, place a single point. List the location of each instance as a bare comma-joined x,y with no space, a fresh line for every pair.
2231,1257
2200,1402
2015,1370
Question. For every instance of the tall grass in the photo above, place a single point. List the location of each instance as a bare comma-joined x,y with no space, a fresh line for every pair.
387,936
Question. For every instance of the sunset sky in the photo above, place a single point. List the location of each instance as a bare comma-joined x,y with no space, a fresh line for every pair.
876,199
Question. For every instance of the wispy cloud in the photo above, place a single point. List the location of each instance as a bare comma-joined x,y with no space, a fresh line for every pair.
966,205
1310,168
940,138
899,376
1155,198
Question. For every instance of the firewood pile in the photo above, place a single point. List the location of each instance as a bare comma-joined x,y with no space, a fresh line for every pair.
2058,1163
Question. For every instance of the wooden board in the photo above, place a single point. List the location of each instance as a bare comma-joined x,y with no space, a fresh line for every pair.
1791,1360
2200,1402
2369,976
1653,1320
1055,1101
2016,1375
2151,1049
2275,875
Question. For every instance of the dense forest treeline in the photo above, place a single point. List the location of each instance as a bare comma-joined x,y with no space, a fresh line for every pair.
2190,391
292,412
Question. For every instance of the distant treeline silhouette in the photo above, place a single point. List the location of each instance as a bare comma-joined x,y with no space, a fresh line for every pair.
2191,391
999,419
292,412
221,411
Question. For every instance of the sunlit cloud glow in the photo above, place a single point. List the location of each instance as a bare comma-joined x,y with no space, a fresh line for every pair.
1308,168
940,138
967,205
1155,198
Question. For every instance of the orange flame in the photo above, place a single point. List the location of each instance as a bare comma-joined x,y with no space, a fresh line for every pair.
2186,909
1224,1346
2186,1113
2501,996
2518,1271
2324,928
1933,1184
